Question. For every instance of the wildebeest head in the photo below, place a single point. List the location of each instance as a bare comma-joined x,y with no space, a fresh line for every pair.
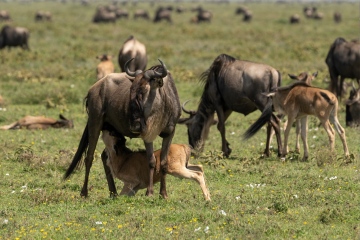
143,83
198,130
63,122
353,108
304,77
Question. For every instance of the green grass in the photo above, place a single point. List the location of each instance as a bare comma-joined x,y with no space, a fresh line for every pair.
252,197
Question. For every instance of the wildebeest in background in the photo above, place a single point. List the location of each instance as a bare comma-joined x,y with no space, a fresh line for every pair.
337,17
343,59
162,14
133,170
43,16
202,15
299,100
241,10
247,14
312,12
141,13
4,15
39,122
353,108
294,19
232,85
105,66
132,48
14,37
121,13
132,104
102,14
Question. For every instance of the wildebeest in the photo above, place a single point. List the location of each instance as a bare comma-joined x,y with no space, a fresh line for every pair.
133,170
121,13
343,59
43,16
299,100
294,19
132,48
353,108
162,14
232,85
105,66
103,15
247,14
140,13
337,17
39,122
13,37
137,105
4,15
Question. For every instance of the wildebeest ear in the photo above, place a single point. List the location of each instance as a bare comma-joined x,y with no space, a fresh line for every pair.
62,117
315,74
292,76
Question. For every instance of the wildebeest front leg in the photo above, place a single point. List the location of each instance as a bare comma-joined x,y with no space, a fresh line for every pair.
151,161
109,176
275,123
222,116
304,130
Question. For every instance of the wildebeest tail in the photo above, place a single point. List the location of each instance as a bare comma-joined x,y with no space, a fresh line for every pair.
262,120
84,142
327,98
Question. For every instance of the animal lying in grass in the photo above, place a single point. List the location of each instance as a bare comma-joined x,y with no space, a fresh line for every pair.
39,122
132,168
297,101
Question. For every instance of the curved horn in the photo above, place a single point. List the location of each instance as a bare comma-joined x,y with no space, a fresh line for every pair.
187,111
353,85
154,74
127,70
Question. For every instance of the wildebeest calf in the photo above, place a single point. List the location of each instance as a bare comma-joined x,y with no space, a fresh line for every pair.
39,122
105,66
132,168
353,108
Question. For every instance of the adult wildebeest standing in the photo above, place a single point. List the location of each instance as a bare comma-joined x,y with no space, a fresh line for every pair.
132,48
297,101
102,14
140,13
343,59
13,37
294,19
353,108
232,85
4,15
43,16
145,107
337,17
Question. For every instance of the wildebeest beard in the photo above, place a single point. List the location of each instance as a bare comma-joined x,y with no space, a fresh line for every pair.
137,118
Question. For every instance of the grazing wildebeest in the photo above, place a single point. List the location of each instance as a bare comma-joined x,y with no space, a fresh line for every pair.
232,85
4,15
103,15
132,168
105,66
343,59
137,105
121,13
140,13
337,17
13,37
43,16
353,108
241,10
162,14
294,19
299,100
132,48
39,122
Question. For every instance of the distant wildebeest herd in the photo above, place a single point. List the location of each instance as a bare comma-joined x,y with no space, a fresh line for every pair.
143,103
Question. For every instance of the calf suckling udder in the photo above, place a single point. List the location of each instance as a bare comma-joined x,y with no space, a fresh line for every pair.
132,167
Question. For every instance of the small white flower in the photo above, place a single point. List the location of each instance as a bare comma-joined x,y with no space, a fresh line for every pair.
316,129
197,229
312,146
206,230
261,143
13,192
222,212
6,221
72,86
24,187
238,198
314,137
232,133
332,178
98,223
7,174
296,196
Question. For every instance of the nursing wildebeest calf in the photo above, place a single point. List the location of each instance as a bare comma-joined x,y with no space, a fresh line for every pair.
39,122
232,85
299,100
353,108
343,60
137,105
132,168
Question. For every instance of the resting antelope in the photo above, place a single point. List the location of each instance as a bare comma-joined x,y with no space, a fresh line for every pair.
299,100
132,168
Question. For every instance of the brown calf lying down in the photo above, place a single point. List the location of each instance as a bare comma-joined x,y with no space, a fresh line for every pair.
39,122
132,168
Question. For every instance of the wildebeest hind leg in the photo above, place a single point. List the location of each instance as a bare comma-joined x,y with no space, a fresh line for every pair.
275,123
151,161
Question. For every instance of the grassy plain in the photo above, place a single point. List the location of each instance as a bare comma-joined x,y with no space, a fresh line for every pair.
252,197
